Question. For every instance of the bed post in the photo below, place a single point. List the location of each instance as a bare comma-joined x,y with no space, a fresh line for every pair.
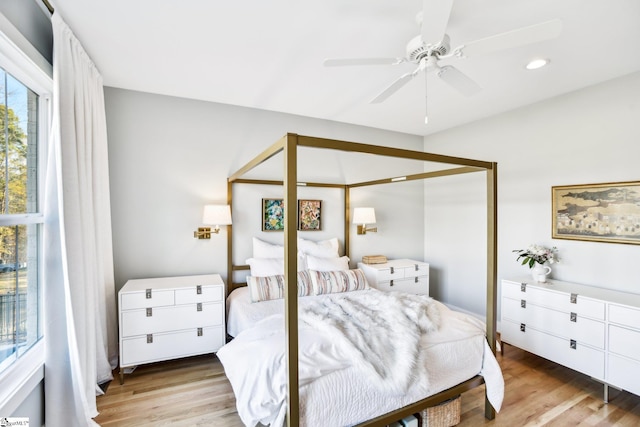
229,239
347,220
291,275
492,256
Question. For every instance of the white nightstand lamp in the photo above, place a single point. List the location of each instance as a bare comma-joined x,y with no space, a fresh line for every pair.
215,215
362,217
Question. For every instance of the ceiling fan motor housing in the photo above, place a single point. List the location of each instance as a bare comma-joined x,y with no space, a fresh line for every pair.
417,49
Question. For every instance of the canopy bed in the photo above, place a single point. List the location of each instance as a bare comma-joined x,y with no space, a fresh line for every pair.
293,333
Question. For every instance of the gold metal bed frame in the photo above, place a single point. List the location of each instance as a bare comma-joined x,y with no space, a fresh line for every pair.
288,145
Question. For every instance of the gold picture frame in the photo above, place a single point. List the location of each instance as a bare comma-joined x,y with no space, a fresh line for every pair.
272,214
608,212
309,215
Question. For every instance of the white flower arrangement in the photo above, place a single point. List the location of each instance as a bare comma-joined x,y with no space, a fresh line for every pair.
537,254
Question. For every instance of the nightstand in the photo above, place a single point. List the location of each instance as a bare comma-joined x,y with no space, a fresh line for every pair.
170,317
402,275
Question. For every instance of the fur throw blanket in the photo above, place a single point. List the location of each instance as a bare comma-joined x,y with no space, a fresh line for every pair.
379,331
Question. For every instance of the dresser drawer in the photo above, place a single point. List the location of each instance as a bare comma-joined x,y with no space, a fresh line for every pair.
170,345
146,298
396,269
556,300
583,329
154,320
413,285
624,373
389,273
625,342
401,275
582,358
191,295
625,316
418,269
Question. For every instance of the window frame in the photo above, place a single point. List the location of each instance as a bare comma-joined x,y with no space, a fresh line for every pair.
20,59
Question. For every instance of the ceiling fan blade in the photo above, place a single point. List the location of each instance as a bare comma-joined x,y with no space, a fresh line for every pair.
339,62
435,17
458,80
394,87
522,36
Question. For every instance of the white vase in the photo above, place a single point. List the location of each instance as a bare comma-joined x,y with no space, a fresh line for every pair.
540,272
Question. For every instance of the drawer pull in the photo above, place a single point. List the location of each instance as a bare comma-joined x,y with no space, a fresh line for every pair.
523,287
523,327
391,282
574,298
149,312
199,289
417,279
147,294
572,344
391,270
523,303
149,338
199,332
417,268
199,306
573,317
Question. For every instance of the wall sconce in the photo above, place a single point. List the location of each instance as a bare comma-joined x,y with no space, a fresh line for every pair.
216,215
362,217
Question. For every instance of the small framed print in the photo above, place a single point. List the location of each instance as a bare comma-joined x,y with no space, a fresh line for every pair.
272,214
309,215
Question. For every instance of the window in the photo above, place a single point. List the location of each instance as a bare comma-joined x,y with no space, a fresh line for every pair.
23,120
19,242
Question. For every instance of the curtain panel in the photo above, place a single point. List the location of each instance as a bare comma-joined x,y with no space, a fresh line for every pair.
80,312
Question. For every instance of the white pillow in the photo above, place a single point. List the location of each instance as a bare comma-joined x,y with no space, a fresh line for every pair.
327,264
264,267
323,249
262,249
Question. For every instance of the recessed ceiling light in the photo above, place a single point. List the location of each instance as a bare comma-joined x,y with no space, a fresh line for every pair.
536,63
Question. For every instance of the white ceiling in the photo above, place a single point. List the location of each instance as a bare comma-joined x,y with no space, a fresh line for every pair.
268,54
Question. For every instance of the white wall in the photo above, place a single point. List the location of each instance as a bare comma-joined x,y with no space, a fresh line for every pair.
169,157
588,136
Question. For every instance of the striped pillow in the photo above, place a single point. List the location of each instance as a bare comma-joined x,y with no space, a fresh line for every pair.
328,282
272,287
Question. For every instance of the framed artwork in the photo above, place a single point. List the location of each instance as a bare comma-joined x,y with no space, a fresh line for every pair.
309,215
272,214
597,212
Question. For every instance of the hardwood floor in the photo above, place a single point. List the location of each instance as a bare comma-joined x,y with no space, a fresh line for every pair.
184,392
195,392
542,393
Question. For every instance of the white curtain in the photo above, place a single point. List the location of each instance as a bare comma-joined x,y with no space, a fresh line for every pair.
80,315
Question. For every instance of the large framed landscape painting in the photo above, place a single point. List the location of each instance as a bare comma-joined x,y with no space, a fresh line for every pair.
597,212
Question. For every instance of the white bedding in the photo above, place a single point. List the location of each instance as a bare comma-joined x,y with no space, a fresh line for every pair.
243,314
334,389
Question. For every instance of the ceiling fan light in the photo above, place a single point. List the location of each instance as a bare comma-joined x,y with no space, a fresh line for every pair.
536,63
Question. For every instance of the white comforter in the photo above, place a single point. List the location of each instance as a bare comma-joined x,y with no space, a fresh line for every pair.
373,334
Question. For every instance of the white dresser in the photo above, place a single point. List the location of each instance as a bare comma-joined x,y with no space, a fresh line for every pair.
402,275
170,317
591,330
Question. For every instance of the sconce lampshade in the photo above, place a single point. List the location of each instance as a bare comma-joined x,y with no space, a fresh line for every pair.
216,215
364,216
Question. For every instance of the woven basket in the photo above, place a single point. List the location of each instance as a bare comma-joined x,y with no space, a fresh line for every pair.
374,259
446,414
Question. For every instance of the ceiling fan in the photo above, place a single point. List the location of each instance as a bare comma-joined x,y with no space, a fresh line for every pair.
433,45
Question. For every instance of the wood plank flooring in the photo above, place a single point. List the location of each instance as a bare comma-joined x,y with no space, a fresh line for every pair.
195,392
